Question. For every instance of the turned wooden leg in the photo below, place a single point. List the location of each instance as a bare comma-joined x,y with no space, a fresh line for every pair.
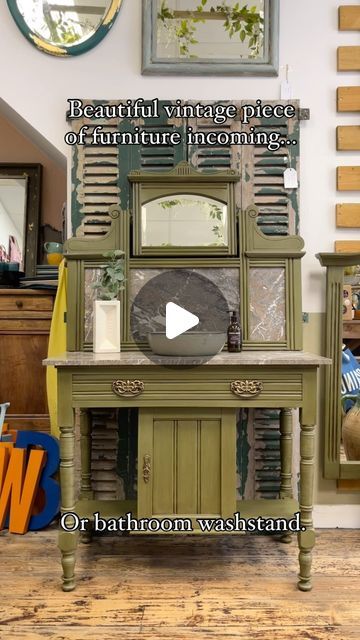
67,540
286,447
67,546
306,538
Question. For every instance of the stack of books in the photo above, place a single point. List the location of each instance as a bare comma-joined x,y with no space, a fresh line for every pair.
46,278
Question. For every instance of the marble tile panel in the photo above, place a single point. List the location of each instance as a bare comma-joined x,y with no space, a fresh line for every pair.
180,285
267,304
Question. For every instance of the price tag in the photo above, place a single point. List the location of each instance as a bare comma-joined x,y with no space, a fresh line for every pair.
285,91
291,179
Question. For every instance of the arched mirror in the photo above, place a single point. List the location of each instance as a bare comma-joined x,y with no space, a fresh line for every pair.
190,213
64,27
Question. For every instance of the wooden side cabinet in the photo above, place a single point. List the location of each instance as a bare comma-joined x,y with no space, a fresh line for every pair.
25,317
186,463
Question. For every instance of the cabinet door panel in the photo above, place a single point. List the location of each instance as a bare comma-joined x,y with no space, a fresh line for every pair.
163,467
23,375
187,462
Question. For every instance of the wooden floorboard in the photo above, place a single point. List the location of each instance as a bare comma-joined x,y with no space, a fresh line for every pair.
180,588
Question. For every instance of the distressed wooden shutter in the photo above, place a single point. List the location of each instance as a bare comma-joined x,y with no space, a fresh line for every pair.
95,181
263,175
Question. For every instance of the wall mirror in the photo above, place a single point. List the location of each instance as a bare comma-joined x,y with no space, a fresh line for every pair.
20,188
186,213
184,220
205,36
64,27
342,430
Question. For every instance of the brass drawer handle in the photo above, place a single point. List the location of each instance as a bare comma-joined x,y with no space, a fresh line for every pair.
246,388
128,388
19,304
146,468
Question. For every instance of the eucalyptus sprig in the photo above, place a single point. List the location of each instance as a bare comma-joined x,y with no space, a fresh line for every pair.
112,278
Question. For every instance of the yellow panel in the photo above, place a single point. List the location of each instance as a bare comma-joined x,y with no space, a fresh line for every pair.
348,138
348,178
349,18
347,246
348,99
348,215
348,58
163,467
186,467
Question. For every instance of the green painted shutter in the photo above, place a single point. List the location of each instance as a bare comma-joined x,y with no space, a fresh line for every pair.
95,177
263,175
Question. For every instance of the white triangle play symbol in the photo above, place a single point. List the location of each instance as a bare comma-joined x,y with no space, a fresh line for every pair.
178,320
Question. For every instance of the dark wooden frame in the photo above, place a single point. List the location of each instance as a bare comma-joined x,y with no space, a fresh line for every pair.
33,174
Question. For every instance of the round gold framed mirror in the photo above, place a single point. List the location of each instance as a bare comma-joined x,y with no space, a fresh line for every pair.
64,27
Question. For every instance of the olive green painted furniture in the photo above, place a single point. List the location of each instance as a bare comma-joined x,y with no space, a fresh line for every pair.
187,447
335,264
187,414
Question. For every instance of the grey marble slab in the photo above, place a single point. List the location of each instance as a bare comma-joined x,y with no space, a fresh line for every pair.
91,277
183,287
136,358
267,304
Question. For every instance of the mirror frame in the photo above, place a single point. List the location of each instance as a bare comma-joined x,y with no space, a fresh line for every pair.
335,264
33,175
184,179
66,51
153,65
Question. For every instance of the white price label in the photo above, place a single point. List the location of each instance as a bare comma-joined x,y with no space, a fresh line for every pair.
291,179
285,91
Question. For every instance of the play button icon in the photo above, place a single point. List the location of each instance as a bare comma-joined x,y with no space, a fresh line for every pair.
167,305
178,320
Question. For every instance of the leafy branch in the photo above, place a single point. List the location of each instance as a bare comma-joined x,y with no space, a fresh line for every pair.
112,278
247,23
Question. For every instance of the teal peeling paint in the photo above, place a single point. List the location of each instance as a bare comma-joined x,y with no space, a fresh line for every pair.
76,215
243,450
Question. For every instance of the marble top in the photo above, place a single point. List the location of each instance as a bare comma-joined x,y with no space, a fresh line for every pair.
137,358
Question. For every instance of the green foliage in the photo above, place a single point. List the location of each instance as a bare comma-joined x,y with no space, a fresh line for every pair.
112,279
169,204
65,30
243,21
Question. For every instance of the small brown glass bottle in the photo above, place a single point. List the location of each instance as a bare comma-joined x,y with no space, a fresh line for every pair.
234,338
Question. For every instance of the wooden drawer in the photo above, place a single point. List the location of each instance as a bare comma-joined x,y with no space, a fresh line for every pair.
24,302
32,325
204,386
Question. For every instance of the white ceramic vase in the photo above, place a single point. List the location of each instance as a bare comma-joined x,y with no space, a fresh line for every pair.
106,326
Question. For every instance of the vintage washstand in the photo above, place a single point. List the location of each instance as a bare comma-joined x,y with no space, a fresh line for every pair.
187,416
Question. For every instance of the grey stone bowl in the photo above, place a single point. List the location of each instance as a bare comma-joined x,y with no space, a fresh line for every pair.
191,343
